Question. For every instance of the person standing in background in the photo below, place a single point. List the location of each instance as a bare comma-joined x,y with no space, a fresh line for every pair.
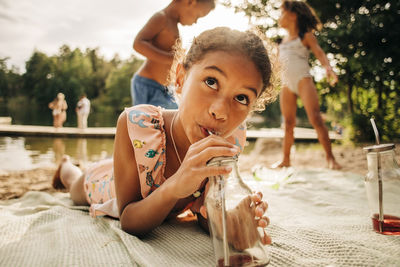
156,41
82,111
300,22
59,110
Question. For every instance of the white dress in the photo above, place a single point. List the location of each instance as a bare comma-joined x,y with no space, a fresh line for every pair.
83,110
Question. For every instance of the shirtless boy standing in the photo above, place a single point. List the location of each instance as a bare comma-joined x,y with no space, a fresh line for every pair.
155,41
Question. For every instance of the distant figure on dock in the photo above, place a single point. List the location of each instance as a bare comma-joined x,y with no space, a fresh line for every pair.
59,110
82,111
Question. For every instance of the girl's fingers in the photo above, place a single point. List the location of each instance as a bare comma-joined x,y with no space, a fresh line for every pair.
257,197
263,222
259,212
266,239
199,153
206,145
204,155
264,206
209,171
261,206
212,140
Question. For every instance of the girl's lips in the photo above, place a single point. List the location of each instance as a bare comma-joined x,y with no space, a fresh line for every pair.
207,131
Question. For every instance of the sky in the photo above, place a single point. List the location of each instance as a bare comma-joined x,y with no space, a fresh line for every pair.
45,25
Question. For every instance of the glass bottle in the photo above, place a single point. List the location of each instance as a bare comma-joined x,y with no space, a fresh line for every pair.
382,184
233,228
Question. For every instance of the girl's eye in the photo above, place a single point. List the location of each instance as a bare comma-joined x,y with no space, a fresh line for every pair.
242,99
211,82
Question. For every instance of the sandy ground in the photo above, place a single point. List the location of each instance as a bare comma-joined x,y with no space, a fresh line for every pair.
352,159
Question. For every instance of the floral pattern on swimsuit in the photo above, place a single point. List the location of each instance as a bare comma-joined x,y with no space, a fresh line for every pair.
147,133
148,138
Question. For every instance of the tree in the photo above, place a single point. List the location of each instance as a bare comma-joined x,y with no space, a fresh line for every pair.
38,79
117,94
100,70
73,74
361,37
360,34
10,81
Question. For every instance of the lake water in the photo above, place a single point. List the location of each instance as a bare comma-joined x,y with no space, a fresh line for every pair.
23,153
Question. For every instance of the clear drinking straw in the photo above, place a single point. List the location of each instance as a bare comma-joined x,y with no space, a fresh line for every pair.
221,192
381,217
224,230
375,130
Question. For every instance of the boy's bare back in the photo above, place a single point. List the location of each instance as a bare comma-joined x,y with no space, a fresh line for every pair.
156,39
155,42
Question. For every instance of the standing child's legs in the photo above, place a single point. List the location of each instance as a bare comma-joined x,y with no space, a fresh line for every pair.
309,96
288,106
70,177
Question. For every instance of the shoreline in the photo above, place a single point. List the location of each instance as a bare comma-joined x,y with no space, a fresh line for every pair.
14,184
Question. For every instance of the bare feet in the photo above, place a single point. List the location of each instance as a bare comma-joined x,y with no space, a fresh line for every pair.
333,164
280,164
66,174
57,183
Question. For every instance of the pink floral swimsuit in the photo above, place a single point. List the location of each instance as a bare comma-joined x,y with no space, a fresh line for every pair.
147,134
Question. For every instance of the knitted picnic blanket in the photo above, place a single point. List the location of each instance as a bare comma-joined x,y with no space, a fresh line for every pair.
318,218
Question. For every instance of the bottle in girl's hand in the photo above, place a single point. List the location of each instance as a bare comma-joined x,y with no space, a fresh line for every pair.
234,232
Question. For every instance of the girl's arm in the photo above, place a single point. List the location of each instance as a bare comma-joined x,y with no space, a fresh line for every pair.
137,215
143,41
311,42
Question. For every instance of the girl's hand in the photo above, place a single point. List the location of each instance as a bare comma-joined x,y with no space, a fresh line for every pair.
243,222
332,78
194,169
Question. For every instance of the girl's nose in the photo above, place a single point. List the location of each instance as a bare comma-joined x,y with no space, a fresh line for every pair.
219,109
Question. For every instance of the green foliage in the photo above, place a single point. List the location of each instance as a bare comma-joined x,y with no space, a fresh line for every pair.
362,38
38,83
72,72
360,34
10,81
117,92
272,115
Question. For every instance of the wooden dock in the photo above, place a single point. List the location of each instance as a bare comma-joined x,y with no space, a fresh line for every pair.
34,130
109,132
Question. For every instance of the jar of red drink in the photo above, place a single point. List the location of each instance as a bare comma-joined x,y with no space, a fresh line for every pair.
382,184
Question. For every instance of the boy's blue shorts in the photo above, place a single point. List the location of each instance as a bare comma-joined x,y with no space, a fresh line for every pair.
148,91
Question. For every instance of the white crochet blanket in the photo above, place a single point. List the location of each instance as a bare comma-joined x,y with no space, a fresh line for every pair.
318,218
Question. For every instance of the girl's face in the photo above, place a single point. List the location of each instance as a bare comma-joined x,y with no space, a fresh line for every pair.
287,18
217,93
193,11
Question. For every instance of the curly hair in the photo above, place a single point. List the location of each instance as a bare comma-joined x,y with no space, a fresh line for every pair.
249,44
307,20
209,2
